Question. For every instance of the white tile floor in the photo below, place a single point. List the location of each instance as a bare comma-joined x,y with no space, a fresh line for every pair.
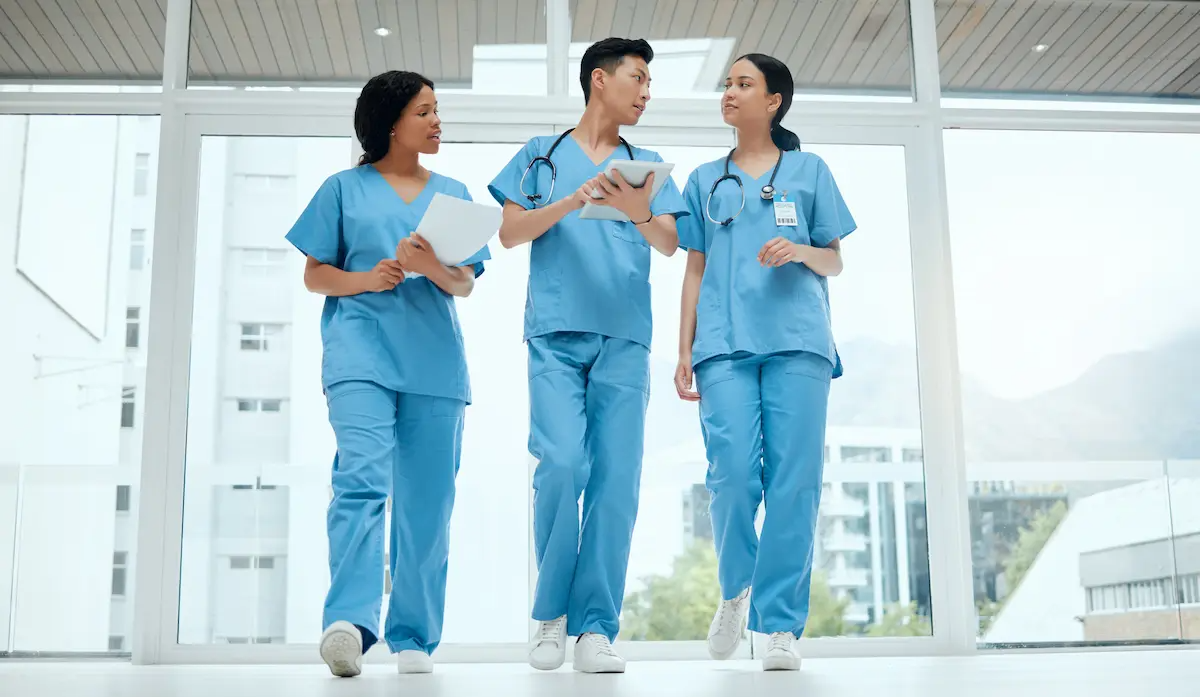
1098,674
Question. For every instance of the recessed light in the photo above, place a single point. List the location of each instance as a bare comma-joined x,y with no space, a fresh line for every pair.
1040,48
382,31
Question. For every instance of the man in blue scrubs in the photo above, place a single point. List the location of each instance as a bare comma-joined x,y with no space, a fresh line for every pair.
587,325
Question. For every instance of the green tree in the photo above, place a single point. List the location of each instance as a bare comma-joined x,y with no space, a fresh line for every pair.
1030,543
680,606
901,620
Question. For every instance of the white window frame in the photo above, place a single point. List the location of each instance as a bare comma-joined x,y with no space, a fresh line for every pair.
188,115
260,332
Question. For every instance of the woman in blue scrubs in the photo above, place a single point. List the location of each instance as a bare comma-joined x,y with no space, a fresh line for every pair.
755,330
394,373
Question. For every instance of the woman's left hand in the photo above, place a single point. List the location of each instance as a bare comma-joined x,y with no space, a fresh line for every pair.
415,255
780,251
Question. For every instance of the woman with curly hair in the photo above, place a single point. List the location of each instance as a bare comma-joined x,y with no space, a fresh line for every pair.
394,374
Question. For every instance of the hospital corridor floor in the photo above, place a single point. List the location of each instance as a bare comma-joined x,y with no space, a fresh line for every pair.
1095,674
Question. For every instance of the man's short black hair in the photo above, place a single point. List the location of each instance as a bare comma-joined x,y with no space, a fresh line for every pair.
608,54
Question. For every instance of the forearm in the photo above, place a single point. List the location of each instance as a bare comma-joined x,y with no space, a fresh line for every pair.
660,233
692,279
824,261
458,281
520,226
332,281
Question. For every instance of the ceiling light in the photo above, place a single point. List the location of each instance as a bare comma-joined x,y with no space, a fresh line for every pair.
382,31
1040,48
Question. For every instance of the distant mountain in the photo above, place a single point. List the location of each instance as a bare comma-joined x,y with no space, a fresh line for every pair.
1143,406
1140,405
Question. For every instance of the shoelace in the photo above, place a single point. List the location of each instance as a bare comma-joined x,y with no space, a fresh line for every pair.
729,610
603,645
781,641
550,632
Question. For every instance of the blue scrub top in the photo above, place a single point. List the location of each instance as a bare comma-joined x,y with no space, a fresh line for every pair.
744,306
584,275
407,339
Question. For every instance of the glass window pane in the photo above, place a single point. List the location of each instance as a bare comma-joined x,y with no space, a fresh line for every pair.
1078,368
484,46
871,558
1051,48
282,599
63,452
858,49
118,43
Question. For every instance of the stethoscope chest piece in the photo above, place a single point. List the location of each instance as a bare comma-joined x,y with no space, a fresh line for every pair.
768,192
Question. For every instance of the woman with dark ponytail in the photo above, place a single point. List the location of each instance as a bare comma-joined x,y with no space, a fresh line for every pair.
394,374
762,236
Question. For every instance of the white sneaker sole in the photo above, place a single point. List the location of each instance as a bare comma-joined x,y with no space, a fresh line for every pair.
725,655
553,664
597,670
781,663
342,653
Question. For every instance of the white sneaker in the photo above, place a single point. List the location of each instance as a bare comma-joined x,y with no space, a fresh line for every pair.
411,661
781,652
341,649
728,626
594,654
549,644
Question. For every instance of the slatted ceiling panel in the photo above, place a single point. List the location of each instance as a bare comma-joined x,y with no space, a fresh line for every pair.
1176,58
1183,29
1125,58
803,53
1067,46
1049,29
123,29
356,40
51,32
701,15
1182,71
1013,13
643,16
527,14
1013,46
155,13
790,30
34,40
869,33
1128,25
852,27
276,38
583,15
605,12
976,29
448,26
151,44
260,42
722,18
806,72
775,25
427,39
506,21
1060,72
897,22
750,37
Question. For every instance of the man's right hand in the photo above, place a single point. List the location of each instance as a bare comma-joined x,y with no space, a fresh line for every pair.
583,195
386,275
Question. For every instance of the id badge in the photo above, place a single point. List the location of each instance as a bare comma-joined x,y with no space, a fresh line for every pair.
785,213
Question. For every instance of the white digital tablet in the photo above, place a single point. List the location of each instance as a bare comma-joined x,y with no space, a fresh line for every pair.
634,172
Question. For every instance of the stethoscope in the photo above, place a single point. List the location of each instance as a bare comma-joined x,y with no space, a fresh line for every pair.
535,197
767,193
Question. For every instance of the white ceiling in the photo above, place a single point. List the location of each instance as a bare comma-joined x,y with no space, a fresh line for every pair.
1103,47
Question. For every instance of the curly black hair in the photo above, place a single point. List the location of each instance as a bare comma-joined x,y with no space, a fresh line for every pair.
379,105
608,54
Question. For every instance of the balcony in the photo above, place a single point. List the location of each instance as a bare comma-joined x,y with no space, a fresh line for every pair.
848,578
838,505
842,541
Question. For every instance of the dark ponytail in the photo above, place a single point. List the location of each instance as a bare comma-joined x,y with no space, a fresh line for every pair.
779,81
379,106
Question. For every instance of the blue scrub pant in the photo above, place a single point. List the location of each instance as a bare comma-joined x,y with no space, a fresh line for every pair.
763,419
408,446
587,398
